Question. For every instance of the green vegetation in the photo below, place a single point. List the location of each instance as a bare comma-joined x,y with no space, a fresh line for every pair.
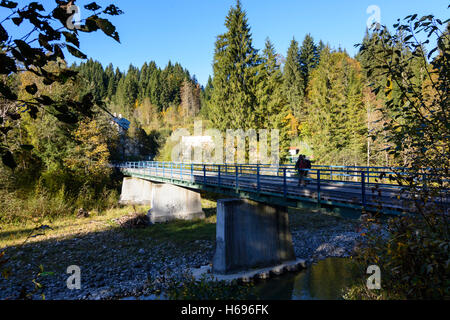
413,255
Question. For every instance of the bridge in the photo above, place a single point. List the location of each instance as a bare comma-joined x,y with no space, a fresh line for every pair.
252,229
336,187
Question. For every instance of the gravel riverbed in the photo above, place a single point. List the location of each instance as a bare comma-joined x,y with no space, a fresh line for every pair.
115,264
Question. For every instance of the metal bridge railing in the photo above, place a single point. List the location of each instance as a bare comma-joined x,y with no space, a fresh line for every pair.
279,179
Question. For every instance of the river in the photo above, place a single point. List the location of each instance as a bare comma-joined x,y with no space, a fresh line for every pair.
322,281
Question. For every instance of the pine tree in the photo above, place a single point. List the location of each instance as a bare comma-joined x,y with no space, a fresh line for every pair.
235,67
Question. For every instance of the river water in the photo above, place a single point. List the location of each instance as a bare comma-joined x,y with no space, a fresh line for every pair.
322,281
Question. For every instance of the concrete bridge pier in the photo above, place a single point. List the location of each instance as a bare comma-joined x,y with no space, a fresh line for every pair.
168,202
251,235
171,202
136,191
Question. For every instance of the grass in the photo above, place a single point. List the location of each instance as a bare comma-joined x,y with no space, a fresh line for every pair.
178,232
70,227
99,241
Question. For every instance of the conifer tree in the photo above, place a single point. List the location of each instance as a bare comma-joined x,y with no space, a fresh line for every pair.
235,67
293,81
309,57
337,119
272,108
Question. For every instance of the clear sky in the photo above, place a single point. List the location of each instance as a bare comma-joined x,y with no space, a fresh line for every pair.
185,30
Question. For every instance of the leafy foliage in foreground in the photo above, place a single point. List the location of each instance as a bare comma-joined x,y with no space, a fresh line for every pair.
414,255
33,53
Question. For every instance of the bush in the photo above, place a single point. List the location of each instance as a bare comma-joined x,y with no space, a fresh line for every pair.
413,258
14,209
42,204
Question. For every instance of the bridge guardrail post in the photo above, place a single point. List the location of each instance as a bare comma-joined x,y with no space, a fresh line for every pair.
181,171
284,183
204,174
237,179
258,179
318,188
171,170
363,189
218,176
192,172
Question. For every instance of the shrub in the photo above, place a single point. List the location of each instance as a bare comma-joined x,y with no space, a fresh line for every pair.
413,258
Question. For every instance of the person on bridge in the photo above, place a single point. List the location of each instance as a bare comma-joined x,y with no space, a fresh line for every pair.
302,166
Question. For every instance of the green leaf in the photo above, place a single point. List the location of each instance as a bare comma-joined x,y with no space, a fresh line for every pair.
92,6
17,20
7,64
45,100
3,34
112,10
72,38
75,52
108,28
6,92
8,160
8,4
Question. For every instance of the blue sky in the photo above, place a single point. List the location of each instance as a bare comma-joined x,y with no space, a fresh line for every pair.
185,30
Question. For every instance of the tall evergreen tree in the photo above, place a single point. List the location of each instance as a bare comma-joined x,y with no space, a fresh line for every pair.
235,69
272,108
309,58
293,81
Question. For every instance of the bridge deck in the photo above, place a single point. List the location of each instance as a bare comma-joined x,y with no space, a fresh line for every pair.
340,187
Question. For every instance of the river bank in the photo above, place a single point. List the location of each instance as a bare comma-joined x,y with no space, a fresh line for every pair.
118,262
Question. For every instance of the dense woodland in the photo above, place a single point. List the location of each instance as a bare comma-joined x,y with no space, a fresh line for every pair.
320,98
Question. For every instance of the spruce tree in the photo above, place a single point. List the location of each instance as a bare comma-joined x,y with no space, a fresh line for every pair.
293,81
235,69
272,108
309,58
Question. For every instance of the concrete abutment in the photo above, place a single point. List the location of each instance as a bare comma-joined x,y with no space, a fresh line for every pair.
168,202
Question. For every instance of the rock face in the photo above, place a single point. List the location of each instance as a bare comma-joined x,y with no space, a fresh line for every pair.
171,202
136,191
251,235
